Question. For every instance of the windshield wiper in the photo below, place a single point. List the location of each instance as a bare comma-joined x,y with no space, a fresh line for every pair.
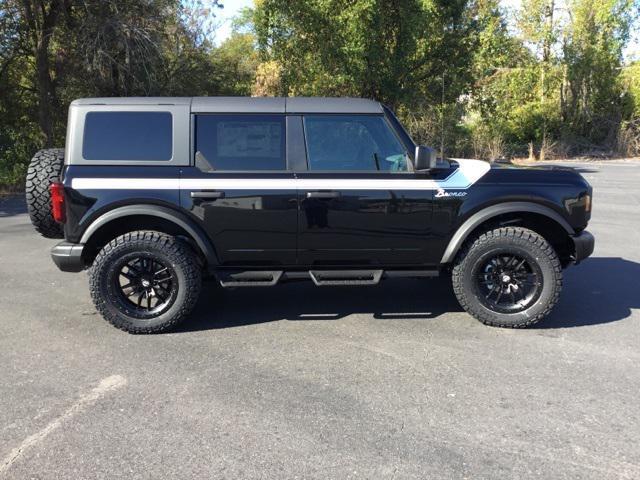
375,158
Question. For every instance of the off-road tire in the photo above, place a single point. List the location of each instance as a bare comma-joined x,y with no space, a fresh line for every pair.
45,168
516,239
165,248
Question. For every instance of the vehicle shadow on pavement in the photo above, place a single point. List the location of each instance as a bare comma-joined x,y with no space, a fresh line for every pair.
12,205
391,300
598,291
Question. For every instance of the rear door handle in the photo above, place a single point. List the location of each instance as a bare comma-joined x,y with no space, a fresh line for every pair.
323,194
208,194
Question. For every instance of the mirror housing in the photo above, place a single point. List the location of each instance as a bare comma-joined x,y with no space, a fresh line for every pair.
425,158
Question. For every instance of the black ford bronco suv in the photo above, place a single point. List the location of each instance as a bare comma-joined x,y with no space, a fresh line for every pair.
153,194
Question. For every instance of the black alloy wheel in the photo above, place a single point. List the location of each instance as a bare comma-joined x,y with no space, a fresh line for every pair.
507,277
145,281
147,285
508,283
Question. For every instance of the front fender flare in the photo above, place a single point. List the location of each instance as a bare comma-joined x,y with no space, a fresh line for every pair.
488,213
181,220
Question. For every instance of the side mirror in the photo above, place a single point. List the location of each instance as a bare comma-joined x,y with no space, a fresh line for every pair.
425,158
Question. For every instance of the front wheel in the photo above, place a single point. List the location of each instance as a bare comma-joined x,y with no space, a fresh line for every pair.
508,277
145,282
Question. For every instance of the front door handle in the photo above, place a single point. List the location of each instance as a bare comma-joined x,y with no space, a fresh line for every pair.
332,194
208,194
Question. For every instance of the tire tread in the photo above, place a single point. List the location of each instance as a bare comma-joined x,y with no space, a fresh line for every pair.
510,233
45,167
178,251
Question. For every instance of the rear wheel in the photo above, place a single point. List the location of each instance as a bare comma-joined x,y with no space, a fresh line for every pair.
145,282
44,169
508,277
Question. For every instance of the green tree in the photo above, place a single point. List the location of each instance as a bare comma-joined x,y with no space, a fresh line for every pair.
52,51
237,59
498,64
41,24
592,106
538,23
390,50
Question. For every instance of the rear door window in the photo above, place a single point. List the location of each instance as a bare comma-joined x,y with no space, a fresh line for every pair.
131,136
241,142
353,143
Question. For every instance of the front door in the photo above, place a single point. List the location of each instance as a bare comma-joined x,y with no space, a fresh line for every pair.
241,190
360,203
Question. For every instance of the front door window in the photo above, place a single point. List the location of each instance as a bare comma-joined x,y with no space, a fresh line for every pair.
353,143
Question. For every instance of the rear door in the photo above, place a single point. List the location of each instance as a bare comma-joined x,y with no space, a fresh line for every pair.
240,188
360,203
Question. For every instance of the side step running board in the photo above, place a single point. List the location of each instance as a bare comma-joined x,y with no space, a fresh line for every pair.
321,278
345,277
249,279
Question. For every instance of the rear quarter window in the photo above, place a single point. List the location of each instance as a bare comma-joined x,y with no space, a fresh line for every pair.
135,136
242,142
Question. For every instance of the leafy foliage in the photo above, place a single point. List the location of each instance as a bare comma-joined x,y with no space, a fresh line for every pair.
392,50
53,51
463,75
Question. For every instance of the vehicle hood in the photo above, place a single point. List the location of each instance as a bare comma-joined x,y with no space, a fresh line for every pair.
509,166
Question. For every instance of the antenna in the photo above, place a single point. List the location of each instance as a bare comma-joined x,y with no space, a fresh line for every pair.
442,120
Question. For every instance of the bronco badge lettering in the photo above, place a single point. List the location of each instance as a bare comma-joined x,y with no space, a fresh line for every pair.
443,193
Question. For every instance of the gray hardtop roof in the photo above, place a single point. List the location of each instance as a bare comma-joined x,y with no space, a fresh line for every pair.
133,101
249,104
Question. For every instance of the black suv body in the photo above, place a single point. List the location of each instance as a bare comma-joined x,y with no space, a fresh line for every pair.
256,191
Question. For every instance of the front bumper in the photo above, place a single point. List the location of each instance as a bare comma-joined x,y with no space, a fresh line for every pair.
583,245
68,256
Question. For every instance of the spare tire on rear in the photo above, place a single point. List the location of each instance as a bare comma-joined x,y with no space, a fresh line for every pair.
44,169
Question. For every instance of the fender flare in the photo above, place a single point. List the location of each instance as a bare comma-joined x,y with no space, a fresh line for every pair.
179,219
487,213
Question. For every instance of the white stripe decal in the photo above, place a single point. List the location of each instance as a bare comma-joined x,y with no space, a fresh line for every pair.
470,172
125,184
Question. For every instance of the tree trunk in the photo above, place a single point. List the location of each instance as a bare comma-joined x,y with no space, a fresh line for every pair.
45,92
546,56
41,17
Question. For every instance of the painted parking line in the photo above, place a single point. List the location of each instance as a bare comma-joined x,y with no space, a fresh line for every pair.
106,386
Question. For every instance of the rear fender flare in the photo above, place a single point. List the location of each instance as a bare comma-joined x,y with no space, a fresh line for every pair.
179,219
488,213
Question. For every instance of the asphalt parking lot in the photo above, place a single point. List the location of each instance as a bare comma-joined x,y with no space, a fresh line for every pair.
393,381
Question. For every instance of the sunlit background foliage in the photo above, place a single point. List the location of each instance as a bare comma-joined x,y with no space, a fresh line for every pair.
547,80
